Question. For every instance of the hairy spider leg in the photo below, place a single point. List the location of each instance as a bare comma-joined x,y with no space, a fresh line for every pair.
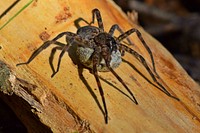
106,56
69,35
129,32
143,61
42,47
116,27
95,59
96,12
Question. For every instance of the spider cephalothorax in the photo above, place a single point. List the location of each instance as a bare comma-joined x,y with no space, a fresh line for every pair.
103,46
101,51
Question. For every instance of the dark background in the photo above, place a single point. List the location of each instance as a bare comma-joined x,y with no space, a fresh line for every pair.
176,24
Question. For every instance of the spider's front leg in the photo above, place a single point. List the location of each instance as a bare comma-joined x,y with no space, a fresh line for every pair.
107,60
144,63
116,27
129,32
95,59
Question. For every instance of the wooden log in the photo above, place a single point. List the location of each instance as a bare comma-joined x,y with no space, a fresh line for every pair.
68,103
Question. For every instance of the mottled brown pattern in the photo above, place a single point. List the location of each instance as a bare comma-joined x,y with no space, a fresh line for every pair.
44,36
63,15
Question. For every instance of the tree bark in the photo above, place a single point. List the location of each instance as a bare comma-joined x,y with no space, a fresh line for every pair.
69,103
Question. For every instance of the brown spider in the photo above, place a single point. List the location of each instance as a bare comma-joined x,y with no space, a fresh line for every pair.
101,51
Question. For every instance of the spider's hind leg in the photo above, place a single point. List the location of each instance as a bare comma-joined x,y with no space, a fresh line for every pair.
41,48
76,22
96,12
53,51
70,39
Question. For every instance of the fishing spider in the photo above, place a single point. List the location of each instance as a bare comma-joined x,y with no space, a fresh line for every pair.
101,51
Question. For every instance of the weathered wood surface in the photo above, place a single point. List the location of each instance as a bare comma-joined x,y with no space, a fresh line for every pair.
66,103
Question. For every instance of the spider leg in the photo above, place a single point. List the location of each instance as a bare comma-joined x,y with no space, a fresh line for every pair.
44,46
53,51
143,61
64,49
129,32
76,22
70,39
96,12
95,63
120,80
116,27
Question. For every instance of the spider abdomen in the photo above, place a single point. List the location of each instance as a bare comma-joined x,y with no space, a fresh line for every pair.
88,32
85,57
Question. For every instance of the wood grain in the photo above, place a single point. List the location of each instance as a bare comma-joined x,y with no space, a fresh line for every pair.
67,103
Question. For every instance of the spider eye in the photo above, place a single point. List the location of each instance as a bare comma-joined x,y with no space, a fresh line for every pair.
100,39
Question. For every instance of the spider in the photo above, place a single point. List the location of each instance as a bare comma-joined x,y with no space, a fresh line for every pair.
101,51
